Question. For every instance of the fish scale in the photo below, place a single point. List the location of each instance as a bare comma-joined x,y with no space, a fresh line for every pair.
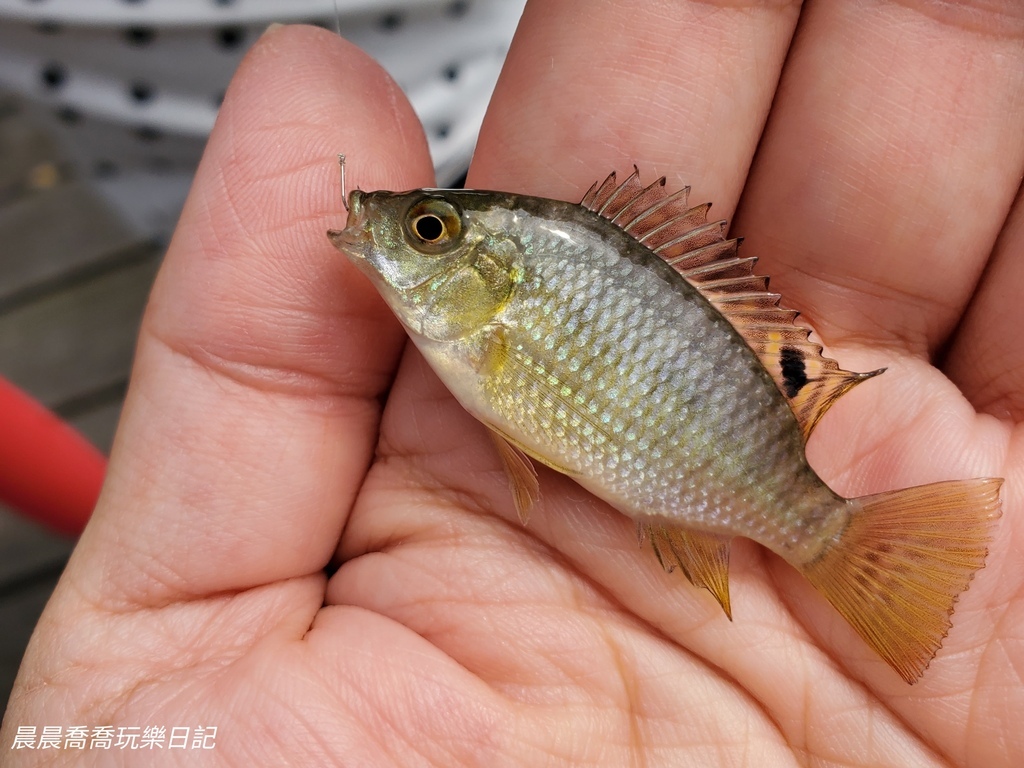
624,342
710,394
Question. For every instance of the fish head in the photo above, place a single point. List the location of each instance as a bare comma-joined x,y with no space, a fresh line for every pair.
431,258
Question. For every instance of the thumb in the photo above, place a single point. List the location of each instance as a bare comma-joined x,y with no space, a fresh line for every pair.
263,355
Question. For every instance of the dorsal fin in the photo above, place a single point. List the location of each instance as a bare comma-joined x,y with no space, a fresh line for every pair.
699,251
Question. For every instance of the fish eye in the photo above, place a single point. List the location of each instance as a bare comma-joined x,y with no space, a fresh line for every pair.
433,225
428,227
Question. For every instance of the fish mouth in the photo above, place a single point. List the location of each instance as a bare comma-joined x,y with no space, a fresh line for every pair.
351,239
348,241
354,207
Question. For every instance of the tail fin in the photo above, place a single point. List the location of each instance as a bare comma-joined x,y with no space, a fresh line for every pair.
904,558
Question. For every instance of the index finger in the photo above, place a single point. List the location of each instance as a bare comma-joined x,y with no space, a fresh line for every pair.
680,89
889,165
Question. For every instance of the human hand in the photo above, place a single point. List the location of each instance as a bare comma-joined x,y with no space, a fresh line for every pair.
254,449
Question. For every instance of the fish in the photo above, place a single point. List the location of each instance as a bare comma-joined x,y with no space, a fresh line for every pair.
624,341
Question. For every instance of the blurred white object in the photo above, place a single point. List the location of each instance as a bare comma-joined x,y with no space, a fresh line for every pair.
132,86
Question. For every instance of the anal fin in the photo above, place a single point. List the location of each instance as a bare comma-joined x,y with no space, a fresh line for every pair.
704,557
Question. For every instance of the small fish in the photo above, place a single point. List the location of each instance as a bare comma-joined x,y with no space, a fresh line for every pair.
624,342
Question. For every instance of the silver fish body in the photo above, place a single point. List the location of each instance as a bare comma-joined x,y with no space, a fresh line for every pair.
613,368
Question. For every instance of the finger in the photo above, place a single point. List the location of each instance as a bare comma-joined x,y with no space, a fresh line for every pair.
888,166
592,87
254,401
986,357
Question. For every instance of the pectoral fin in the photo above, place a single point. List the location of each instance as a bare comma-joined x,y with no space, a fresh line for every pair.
522,475
704,557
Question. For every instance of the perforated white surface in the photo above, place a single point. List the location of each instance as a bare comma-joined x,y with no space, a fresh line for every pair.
133,86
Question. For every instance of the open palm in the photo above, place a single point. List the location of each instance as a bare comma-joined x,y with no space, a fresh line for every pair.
275,425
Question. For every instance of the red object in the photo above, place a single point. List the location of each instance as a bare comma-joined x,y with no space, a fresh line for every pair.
47,469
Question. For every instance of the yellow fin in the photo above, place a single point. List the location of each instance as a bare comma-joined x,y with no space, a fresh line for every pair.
897,569
704,557
698,250
810,382
522,475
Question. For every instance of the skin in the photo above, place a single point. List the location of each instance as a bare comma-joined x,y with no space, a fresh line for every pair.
276,421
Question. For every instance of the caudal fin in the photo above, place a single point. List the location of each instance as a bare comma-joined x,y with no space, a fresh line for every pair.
905,557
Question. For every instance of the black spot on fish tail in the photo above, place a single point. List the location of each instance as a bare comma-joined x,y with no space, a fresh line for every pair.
794,370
